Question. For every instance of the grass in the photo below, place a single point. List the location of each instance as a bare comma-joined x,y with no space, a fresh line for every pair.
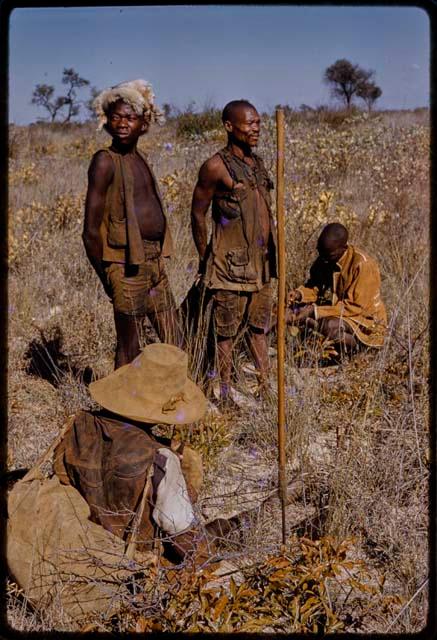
357,436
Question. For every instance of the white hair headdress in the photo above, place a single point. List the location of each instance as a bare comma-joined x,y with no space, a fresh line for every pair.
137,93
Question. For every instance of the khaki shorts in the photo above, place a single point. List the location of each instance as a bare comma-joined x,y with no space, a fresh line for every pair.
141,290
232,307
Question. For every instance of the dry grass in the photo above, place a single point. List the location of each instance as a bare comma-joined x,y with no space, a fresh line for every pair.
357,435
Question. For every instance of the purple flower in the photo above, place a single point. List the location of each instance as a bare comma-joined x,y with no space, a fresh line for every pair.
224,221
212,373
168,146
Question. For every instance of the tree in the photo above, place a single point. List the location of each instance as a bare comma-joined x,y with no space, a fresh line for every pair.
73,80
43,96
369,92
167,110
345,78
89,103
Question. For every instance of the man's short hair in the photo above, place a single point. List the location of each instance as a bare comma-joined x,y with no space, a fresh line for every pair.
335,231
229,111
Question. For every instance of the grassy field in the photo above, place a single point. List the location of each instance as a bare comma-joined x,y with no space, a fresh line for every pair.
357,434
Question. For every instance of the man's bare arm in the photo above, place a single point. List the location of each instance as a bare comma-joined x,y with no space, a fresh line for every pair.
210,174
100,174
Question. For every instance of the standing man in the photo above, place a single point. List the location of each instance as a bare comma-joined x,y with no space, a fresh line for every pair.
239,260
126,235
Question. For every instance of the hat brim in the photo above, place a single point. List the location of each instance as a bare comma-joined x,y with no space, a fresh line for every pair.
113,394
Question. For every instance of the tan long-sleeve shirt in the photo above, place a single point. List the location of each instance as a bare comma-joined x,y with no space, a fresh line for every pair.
353,287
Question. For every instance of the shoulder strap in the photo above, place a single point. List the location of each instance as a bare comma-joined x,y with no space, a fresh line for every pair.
226,158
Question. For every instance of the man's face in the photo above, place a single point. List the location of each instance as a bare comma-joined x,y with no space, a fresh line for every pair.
244,126
330,251
124,124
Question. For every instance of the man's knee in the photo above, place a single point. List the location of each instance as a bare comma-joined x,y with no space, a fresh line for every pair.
228,311
260,311
331,328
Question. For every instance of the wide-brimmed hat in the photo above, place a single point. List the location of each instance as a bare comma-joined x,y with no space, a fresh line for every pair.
154,387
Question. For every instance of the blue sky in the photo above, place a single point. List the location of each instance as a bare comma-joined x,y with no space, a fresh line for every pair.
211,53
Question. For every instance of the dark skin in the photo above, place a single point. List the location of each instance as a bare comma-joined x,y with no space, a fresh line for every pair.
330,250
125,127
243,129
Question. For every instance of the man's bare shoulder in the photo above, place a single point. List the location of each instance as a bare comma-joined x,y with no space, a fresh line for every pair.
101,164
102,158
213,168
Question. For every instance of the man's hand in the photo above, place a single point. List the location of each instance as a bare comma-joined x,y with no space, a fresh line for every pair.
294,296
305,312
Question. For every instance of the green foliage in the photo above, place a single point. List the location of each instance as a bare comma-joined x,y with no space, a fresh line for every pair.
369,92
190,123
345,79
209,436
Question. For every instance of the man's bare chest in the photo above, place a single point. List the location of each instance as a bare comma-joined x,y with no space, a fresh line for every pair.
142,181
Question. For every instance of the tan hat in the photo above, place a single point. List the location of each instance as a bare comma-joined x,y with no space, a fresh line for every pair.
154,387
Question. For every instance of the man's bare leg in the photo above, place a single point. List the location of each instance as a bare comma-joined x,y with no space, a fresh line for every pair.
336,330
260,351
128,342
167,326
224,356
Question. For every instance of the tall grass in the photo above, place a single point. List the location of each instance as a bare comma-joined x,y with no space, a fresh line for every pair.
357,435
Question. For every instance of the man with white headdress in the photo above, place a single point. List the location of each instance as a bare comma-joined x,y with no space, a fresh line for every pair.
126,235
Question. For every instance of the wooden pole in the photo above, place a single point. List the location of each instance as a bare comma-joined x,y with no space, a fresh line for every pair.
281,313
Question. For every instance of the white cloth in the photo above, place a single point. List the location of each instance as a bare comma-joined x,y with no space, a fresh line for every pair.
173,511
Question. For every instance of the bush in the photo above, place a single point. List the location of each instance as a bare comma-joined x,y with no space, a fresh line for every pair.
190,123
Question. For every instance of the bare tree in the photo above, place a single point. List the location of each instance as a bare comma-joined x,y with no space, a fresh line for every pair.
67,105
345,78
89,103
73,80
43,97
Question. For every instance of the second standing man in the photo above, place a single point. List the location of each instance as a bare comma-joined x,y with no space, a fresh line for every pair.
239,260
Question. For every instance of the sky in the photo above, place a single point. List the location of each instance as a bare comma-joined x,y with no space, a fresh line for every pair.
211,54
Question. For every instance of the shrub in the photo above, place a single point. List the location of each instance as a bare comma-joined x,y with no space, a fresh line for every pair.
191,123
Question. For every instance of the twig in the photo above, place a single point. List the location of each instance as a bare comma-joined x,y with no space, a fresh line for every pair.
407,605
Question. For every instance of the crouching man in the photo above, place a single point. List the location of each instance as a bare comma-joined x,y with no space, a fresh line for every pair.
139,486
342,297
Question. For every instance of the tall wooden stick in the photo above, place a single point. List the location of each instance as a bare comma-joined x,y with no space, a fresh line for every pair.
281,313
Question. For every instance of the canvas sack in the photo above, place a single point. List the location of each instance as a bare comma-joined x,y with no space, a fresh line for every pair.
58,556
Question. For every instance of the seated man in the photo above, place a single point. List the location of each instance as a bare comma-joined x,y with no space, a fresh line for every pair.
136,484
342,298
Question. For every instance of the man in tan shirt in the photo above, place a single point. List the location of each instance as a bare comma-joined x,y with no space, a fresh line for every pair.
342,297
